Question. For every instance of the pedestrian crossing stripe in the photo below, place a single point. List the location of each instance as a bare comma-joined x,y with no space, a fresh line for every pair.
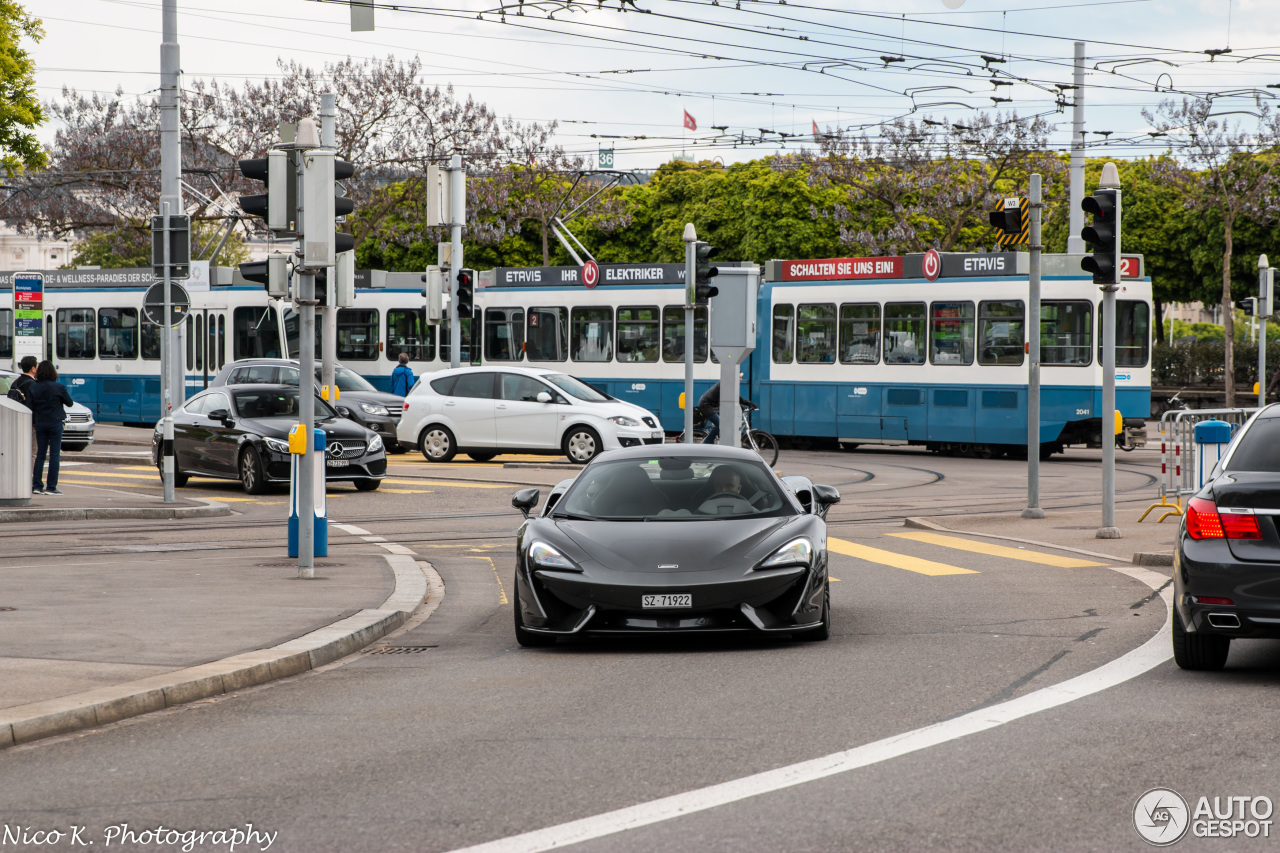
898,561
997,550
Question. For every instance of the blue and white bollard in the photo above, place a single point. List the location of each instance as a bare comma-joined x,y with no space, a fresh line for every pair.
320,511
1217,433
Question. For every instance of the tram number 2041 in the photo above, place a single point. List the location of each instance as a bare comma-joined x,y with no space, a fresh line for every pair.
1082,411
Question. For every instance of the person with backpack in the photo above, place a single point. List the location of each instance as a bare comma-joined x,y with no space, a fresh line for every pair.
402,376
48,401
16,389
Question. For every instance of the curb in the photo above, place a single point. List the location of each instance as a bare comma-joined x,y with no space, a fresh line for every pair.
926,524
1152,558
210,509
93,708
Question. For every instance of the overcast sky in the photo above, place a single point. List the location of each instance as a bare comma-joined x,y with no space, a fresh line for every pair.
766,65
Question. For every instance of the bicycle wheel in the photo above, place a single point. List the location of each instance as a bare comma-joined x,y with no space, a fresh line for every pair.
763,443
699,436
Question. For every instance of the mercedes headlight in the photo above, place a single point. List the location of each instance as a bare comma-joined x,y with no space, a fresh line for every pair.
373,409
276,444
542,554
797,552
624,421
375,444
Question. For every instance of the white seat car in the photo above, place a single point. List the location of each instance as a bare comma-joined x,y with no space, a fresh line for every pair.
484,411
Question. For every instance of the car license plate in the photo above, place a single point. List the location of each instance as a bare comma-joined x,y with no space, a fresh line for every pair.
679,600
337,463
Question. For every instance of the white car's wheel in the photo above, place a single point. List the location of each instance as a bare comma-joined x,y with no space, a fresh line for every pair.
582,444
437,444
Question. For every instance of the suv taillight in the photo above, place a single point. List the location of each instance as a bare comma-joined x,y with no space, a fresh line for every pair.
406,405
1205,522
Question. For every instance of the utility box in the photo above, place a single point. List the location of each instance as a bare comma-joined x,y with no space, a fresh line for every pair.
15,453
733,337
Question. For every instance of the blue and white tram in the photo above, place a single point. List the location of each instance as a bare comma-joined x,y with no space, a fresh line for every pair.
870,351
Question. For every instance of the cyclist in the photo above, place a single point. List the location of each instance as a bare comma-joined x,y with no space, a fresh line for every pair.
709,407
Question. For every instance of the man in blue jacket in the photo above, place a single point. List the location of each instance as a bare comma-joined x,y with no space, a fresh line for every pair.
402,377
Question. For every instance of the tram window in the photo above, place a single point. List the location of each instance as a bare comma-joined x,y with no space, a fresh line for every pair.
784,322
952,339
592,338
465,352
150,342
198,340
904,333
816,334
191,343
547,338
6,333
860,334
1001,332
255,333
1133,333
504,334
222,340
292,335
357,334
673,333
409,332
1066,331
76,337
638,332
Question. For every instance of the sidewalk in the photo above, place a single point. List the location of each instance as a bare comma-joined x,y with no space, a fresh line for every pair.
93,639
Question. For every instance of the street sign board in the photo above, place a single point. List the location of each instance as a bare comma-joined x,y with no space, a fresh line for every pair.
606,158
28,315
179,303
179,246
590,274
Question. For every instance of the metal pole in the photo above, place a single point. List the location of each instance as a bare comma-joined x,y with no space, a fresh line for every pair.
1108,530
170,150
1075,243
329,313
1033,509
457,212
167,356
306,411
690,299
1264,308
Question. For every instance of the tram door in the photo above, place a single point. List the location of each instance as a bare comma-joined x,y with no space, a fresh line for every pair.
206,345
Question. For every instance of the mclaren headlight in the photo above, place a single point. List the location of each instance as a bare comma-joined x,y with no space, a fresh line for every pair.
542,554
375,444
797,552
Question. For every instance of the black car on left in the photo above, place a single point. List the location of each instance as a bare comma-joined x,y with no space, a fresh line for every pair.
241,432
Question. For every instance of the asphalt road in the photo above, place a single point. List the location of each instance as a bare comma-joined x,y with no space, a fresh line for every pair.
473,739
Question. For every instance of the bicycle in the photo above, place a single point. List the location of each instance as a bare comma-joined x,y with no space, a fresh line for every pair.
752,439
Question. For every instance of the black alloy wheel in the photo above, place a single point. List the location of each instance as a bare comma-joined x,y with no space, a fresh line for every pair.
252,475
367,485
1198,651
823,631
477,456
525,637
437,444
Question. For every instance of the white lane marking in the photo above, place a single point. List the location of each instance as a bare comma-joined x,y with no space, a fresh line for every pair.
350,528
375,539
1149,655
396,549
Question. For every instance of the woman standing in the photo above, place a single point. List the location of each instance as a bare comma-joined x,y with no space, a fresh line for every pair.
48,400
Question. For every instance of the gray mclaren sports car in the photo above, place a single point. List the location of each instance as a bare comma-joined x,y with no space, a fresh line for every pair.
674,539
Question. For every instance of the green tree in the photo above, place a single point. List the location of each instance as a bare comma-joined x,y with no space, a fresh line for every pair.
19,107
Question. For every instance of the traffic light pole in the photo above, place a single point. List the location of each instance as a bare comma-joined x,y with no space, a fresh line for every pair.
329,312
167,356
1033,509
457,215
1108,530
307,417
1264,308
1075,243
690,276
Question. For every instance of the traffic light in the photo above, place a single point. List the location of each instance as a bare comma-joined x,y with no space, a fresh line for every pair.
703,272
1104,234
1013,221
321,243
271,274
344,291
1248,305
279,204
465,292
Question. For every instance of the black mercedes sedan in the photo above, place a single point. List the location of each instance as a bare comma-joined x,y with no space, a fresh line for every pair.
241,432
1226,567
673,539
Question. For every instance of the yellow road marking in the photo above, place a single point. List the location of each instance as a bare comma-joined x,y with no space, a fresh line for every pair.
452,483
407,491
996,550
834,580
94,483
217,497
502,591
152,476
898,561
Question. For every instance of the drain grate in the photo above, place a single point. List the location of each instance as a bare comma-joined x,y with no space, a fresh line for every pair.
7,609
398,650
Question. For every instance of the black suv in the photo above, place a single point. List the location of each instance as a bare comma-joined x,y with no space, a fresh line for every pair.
357,399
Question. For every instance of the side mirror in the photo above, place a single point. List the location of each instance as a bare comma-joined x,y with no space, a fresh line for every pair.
544,397
219,415
525,500
344,411
826,497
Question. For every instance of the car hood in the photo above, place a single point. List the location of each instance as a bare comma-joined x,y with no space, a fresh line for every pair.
382,398
656,546
279,428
